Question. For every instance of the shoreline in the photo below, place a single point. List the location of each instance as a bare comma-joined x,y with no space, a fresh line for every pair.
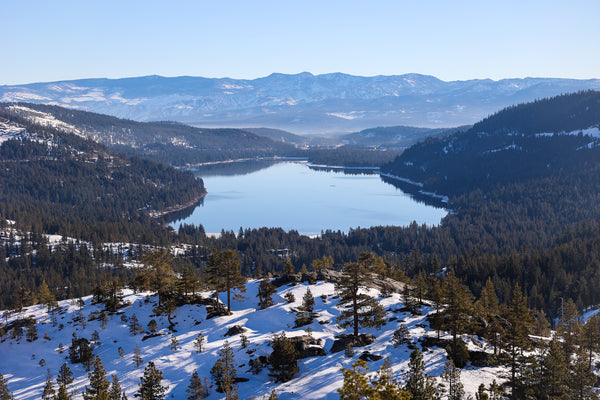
180,207
191,167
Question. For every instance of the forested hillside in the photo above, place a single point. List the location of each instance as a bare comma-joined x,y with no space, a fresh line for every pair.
547,138
167,142
54,181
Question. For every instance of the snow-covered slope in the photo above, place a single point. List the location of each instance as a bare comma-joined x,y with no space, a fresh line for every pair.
318,378
301,103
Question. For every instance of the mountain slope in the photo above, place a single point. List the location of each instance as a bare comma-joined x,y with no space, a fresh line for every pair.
56,180
396,136
303,103
546,138
318,378
167,142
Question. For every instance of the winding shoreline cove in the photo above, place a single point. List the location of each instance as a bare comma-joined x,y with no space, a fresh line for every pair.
296,196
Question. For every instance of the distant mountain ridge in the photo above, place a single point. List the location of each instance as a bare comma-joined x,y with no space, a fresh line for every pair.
302,103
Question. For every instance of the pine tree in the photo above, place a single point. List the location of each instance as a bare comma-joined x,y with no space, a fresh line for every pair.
362,309
265,292
323,264
5,393
46,297
590,337
569,327
554,372
195,390
282,361
308,301
273,395
230,268
459,302
115,391
199,343
161,278
62,393
152,326
134,325
174,343
481,394
516,340
214,277
150,387
419,385
451,375
137,356
356,383
582,379
99,385
223,273
48,393
223,372
305,312
65,375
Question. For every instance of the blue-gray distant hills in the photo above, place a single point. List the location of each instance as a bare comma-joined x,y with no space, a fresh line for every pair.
302,103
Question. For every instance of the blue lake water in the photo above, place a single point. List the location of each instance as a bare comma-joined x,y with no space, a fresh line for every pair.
291,195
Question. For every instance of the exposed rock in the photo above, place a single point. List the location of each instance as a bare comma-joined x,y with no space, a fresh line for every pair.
355,341
235,330
366,356
307,346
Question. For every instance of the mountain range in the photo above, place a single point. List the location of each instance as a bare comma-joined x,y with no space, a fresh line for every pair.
301,103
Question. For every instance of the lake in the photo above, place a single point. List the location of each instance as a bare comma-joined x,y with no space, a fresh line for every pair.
293,196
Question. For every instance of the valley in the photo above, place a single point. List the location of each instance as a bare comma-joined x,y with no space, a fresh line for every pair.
515,246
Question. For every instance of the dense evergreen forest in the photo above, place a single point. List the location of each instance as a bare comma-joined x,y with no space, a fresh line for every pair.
53,181
167,142
526,223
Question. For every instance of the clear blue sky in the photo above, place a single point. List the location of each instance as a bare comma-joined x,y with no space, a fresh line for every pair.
46,40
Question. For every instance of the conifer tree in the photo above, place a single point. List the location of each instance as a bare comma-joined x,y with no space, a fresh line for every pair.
65,375
224,373
199,343
195,390
230,268
304,315
459,302
115,391
137,356
356,383
323,264
174,343
214,277
418,384
159,267
46,297
569,327
554,370
62,393
358,309
265,292
516,340
150,387
223,271
273,395
282,361
5,393
582,379
590,337
134,325
451,375
99,384
48,393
